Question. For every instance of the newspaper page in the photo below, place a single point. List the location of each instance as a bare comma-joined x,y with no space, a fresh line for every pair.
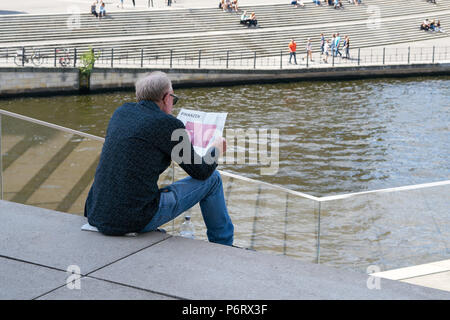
202,127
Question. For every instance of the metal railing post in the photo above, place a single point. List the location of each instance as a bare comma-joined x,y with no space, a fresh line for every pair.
409,55
384,55
199,57
228,57
281,59
433,54
332,58
171,58
359,56
74,57
307,59
112,57
23,56
142,58
55,58
318,235
93,61
254,61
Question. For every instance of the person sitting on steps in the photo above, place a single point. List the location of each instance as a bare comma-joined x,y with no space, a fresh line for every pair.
102,11
425,25
228,6
298,3
234,5
253,21
245,18
94,9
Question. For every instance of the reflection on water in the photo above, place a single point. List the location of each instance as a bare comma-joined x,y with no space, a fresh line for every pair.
335,137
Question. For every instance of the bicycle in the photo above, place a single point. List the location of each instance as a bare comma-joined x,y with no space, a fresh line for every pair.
64,61
36,58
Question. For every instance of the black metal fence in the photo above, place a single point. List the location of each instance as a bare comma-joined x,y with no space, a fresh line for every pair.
229,59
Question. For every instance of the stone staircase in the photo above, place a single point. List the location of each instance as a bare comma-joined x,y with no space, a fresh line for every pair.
151,35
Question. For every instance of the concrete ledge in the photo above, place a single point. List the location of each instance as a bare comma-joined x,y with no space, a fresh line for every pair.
105,78
53,239
34,81
37,246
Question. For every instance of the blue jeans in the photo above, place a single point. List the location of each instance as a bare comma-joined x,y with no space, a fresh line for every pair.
184,194
292,54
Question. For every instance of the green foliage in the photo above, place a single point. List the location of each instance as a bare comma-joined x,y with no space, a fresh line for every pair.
87,61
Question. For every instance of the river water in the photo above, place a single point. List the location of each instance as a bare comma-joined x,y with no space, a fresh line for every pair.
335,137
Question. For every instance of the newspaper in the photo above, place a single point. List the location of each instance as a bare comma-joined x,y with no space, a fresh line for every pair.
202,127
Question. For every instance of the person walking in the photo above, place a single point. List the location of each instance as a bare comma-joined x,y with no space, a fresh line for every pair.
322,43
309,50
337,45
292,51
347,47
326,50
139,146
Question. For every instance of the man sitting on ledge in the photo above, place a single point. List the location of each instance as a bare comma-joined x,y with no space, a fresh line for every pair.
139,146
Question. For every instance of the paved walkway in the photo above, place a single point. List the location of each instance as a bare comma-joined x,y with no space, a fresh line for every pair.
45,255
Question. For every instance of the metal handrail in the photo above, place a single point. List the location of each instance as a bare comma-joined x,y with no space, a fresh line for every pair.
51,125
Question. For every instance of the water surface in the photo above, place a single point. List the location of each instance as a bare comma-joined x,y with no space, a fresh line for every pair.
335,137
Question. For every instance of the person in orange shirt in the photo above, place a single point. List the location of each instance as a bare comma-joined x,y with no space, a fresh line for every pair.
292,51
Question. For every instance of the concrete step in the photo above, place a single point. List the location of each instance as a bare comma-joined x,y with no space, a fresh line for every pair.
263,42
155,24
37,246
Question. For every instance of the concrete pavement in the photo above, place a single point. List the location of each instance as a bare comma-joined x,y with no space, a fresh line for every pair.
45,255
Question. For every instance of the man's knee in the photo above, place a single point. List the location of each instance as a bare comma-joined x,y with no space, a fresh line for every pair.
216,175
215,180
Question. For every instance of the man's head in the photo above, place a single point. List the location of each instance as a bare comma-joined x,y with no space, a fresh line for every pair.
156,87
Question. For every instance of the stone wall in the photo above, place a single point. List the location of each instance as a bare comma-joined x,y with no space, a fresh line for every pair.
30,81
110,79
18,81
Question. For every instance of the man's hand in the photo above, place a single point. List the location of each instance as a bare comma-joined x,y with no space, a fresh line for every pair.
221,144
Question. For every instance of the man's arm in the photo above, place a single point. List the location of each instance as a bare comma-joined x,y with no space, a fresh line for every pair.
178,145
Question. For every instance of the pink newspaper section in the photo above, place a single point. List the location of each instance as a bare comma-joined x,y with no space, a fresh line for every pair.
199,133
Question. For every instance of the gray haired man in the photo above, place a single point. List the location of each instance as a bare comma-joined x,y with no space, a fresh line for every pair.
138,147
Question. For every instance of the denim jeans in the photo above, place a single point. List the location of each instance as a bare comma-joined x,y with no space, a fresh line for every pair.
184,194
292,54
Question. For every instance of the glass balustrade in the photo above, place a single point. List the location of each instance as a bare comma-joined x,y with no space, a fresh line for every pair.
53,167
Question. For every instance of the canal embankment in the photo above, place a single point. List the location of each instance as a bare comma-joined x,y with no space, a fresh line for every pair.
29,81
